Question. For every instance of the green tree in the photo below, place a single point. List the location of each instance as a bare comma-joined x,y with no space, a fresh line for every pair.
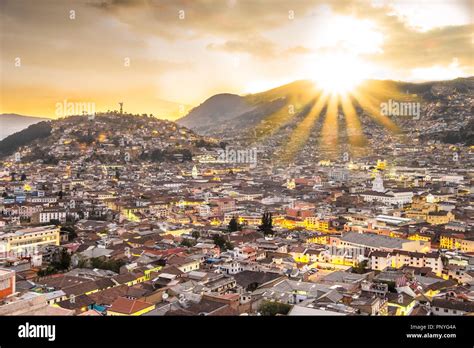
112,264
55,222
71,232
222,243
82,263
266,227
187,155
96,262
63,261
188,243
46,271
444,260
196,234
269,308
361,267
233,225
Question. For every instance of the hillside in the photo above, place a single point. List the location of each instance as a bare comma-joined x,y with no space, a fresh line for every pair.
221,107
12,123
107,138
446,106
24,137
225,110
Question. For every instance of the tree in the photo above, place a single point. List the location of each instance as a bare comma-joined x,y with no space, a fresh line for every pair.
63,260
187,155
444,260
71,232
268,308
222,243
46,271
196,234
112,264
266,227
82,263
157,155
54,222
234,225
48,159
23,177
188,242
361,267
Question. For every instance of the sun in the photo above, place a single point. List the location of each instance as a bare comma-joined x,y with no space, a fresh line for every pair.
339,74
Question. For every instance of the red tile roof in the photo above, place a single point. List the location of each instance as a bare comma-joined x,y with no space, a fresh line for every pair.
125,306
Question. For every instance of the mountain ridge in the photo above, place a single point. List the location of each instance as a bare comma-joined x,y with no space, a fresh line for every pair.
12,123
215,116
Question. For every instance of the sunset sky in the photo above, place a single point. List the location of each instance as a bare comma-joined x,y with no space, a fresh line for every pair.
156,56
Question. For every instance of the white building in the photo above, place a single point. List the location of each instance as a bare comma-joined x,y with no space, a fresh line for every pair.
387,197
47,215
26,241
380,260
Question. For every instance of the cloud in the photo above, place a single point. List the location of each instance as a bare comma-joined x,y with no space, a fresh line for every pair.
296,50
254,45
413,39
178,19
259,47
172,53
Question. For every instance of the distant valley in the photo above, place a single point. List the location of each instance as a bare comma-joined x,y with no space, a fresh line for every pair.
12,123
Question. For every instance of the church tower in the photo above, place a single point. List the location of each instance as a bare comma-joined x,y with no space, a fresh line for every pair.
377,184
194,172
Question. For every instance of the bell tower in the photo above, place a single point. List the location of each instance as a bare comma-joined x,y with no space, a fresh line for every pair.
377,184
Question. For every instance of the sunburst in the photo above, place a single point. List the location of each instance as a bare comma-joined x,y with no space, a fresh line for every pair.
333,101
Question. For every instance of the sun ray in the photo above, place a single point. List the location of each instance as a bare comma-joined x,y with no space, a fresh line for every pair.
272,123
296,99
298,138
384,90
370,105
297,125
353,126
330,129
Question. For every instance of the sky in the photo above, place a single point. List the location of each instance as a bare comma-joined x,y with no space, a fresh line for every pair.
166,56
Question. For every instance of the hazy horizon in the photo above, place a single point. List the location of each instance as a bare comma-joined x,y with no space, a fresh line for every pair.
52,117
165,57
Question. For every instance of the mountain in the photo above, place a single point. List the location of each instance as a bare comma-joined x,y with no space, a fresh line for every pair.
31,133
221,107
228,110
445,106
106,138
12,123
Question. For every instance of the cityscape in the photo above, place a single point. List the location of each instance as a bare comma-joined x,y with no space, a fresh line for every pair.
335,195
